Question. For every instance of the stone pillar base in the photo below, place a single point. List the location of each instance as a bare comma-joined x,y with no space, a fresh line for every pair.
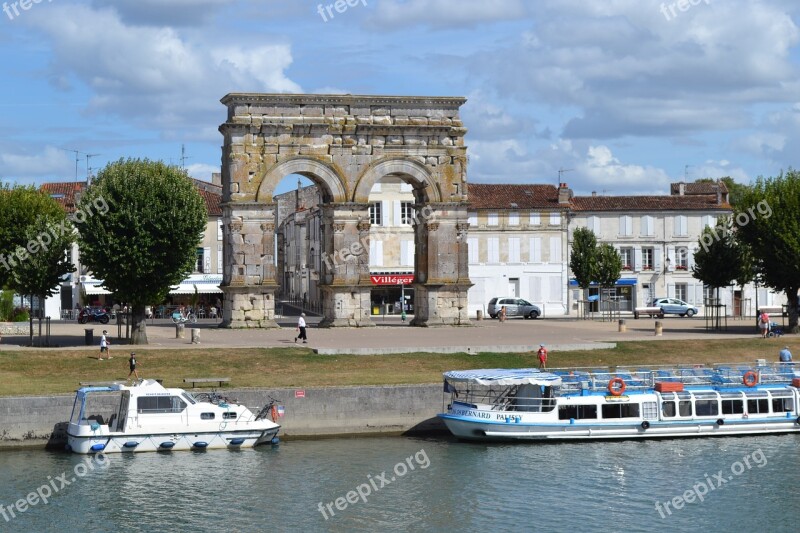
249,307
440,305
346,306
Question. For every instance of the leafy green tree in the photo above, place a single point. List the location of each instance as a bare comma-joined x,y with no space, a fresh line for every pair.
771,210
21,207
718,259
583,260
46,264
609,265
147,240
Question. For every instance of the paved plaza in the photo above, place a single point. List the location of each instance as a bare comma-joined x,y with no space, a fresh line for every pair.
391,335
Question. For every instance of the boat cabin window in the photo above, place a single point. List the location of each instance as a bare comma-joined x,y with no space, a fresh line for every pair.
188,398
685,408
578,412
732,407
668,409
757,405
160,404
782,404
206,416
229,416
621,410
706,407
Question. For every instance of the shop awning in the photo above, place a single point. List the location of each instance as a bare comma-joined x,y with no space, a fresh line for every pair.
621,281
205,283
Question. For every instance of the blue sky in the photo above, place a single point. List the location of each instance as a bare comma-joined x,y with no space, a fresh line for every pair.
626,95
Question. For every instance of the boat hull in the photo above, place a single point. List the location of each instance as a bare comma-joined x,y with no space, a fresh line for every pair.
477,430
152,442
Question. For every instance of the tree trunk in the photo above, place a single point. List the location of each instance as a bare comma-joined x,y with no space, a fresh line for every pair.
138,325
793,301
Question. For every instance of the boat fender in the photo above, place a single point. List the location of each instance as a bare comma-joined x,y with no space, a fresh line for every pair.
201,444
798,420
720,422
98,447
275,440
750,378
167,444
616,386
645,425
237,441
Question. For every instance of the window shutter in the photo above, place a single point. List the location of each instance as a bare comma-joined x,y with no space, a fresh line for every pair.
671,290
219,259
396,212
472,218
657,259
535,219
671,257
637,258
207,260
384,213
536,250
690,259
555,249
472,248
513,250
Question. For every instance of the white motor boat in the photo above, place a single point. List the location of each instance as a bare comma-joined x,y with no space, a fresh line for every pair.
574,404
148,417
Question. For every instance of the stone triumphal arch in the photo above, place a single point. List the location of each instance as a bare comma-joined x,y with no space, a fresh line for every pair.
344,144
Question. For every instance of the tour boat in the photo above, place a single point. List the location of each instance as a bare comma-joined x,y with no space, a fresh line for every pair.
148,417
628,403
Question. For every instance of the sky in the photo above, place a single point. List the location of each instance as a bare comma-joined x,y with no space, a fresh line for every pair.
615,96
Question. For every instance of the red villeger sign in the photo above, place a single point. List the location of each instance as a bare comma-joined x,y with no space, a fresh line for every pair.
393,279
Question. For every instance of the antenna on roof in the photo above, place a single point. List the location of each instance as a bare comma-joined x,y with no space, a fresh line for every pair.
89,168
560,172
77,159
184,157
686,172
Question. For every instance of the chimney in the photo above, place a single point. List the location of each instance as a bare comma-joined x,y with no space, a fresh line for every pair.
216,178
681,188
719,194
594,193
564,194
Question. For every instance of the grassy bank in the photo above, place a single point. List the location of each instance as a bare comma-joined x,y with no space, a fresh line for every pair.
48,372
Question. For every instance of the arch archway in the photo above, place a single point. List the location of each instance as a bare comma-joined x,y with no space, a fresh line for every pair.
344,144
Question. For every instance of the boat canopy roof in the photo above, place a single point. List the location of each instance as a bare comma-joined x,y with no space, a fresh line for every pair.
503,376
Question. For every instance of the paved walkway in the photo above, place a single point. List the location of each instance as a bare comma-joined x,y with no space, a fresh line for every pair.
392,336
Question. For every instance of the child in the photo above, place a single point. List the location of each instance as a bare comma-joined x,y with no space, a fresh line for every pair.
104,346
132,364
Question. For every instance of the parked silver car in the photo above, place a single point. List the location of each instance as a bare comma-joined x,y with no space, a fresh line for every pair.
673,306
514,307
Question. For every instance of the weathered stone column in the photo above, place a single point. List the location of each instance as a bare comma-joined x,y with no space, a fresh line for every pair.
248,280
345,281
442,276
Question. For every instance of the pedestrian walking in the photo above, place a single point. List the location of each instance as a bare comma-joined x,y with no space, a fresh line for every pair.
763,324
542,353
132,366
301,327
104,344
503,314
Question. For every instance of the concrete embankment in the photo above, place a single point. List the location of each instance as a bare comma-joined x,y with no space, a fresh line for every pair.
309,413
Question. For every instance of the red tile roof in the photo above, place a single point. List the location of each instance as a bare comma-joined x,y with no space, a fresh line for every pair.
698,188
64,193
212,202
648,203
504,196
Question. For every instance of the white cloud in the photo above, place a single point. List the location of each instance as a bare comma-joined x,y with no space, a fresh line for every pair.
202,171
51,163
395,15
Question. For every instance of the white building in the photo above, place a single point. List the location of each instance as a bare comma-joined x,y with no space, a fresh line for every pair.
517,243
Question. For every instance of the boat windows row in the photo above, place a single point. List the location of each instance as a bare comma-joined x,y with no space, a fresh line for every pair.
682,407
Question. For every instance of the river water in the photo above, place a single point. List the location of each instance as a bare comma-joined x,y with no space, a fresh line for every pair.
745,483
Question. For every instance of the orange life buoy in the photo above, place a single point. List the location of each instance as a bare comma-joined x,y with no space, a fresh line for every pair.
616,386
750,378
273,413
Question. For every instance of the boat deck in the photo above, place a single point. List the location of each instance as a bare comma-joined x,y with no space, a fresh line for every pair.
643,378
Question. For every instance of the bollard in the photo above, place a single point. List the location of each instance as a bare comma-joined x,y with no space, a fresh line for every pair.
659,328
479,316
195,336
622,327
179,332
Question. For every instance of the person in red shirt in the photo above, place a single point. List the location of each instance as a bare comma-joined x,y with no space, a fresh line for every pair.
763,324
542,353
